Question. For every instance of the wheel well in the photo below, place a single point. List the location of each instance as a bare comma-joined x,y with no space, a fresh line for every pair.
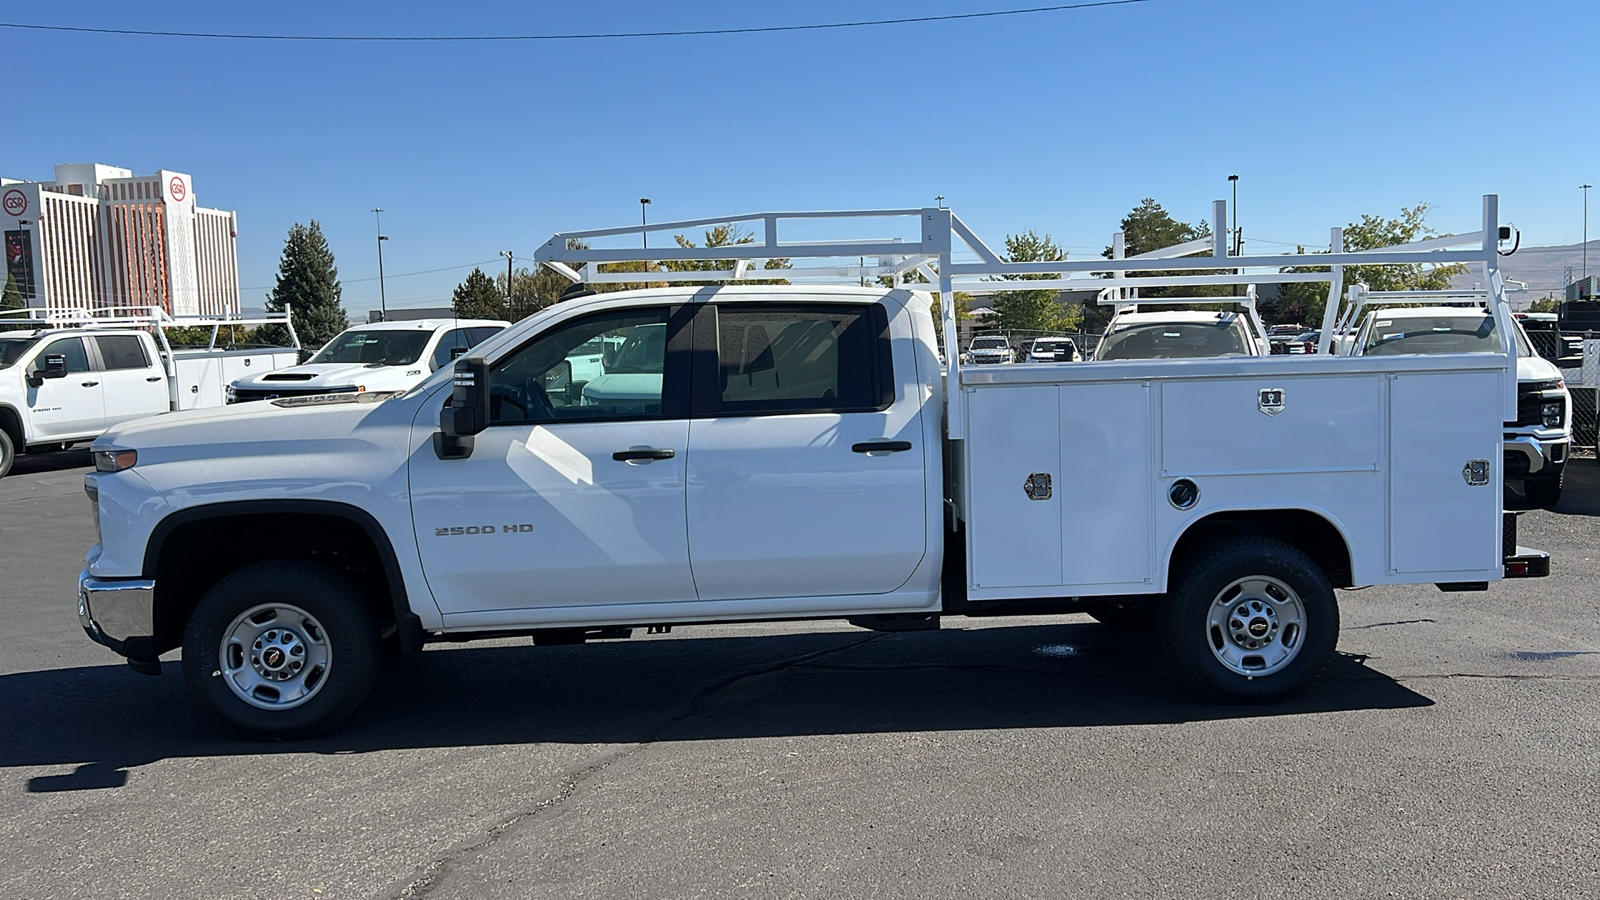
1307,532
196,554
11,424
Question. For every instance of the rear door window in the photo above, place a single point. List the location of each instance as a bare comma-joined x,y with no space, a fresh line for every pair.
798,358
122,351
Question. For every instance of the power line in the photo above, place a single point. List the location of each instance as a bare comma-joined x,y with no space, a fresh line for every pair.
762,29
268,287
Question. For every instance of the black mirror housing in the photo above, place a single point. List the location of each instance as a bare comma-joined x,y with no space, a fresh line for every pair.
467,413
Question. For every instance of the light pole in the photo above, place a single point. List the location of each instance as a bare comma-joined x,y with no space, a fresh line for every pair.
644,202
507,255
383,300
1585,189
1238,245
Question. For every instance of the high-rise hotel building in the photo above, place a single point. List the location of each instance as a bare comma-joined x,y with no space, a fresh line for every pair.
98,237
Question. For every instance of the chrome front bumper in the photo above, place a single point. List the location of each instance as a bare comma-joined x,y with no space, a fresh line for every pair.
1539,453
119,613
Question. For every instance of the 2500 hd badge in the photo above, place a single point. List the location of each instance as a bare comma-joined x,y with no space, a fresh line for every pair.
482,529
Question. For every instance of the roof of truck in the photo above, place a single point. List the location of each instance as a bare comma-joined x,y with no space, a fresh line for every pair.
429,324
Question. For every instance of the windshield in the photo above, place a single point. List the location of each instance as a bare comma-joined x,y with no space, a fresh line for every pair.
988,343
12,348
384,347
1469,332
1176,340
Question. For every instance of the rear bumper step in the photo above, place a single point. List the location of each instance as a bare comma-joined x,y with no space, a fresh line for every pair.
1528,563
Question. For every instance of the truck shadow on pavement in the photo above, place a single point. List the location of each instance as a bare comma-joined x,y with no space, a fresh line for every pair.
106,720
61,461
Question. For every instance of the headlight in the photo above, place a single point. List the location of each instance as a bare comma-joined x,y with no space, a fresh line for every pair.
1552,413
114,460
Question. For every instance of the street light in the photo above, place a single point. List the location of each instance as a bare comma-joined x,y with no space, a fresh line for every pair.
1585,189
644,202
383,302
1238,245
507,255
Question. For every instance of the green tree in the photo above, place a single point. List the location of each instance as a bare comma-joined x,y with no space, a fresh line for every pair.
12,297
1032,310
1546,304
1146,228
478,297
721,236
532,290
1371,233
308,283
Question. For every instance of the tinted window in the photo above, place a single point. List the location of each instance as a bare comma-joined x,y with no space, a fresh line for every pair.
1432,334
455,339
547,380
386,347
1175,340
122,351
11,349
476,336
71,348
820,358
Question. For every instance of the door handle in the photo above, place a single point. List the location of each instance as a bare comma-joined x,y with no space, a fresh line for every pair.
643,453
90,383
881,447
153,378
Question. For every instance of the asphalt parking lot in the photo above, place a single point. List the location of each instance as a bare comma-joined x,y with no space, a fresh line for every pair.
1451,750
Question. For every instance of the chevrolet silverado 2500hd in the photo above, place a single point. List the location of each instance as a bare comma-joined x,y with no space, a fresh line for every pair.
782,452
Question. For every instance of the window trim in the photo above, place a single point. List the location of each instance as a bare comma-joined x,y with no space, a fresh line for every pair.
707,380
674,375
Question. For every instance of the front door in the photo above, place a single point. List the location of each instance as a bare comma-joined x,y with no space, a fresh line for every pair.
806,478
68,407
573,497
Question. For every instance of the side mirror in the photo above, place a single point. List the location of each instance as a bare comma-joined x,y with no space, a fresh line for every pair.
467,413
458,352
52,366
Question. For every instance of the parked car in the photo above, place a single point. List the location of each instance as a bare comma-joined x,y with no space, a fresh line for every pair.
988,349
381,356
1053,349
65,381
1536,444
1178,334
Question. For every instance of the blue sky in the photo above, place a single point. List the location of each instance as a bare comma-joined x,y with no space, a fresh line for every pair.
1060,122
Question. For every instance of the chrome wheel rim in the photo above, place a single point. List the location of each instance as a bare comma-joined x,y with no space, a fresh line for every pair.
1256,626
275,656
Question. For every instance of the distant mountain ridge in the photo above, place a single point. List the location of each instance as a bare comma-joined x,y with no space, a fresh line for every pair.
1542,268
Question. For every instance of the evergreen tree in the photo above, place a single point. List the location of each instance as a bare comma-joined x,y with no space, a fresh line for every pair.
12,298
478,297
308,283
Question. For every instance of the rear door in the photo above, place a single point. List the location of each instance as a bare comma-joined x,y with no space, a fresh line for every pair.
131,379
805,478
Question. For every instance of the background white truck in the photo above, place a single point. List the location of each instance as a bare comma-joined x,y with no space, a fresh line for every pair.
791,452
67,377
381,356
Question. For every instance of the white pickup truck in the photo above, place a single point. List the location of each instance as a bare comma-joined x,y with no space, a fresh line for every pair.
66,378
381,356
787,452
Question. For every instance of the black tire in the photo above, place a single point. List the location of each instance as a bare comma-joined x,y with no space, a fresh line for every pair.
1197,644
8,453
1136,615
337,625
1544,493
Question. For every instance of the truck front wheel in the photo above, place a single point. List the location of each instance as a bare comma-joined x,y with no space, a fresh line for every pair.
8,453
282,648
1253,620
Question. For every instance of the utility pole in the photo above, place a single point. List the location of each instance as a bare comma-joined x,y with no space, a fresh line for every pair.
644,202
509,312
383,301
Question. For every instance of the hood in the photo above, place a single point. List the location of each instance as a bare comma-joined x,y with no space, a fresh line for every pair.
330,375
1536,368
201,432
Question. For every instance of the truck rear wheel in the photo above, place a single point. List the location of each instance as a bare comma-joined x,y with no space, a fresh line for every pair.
282,648
1253,620
8,453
